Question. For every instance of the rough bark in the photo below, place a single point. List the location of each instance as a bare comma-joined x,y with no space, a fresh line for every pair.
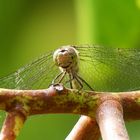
58,99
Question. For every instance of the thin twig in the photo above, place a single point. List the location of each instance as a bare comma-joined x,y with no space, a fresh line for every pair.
85,129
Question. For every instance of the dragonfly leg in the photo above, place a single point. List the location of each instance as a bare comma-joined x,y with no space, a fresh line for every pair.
62,77
54,80
70,81
59,77
85,82
79,82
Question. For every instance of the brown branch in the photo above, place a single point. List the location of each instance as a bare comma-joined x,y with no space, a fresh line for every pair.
60,100
53,100
110,120
57,99
85,129
12,125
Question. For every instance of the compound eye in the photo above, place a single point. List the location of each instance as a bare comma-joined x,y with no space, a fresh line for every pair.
63,50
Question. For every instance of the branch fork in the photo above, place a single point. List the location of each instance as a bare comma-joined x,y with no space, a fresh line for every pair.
102,113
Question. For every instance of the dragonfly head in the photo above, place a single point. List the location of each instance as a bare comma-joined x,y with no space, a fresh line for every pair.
66,57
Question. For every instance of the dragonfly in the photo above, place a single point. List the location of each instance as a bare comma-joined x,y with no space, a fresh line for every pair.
88,67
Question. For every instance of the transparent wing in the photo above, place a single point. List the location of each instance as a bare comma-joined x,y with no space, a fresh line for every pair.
110,69
36,75
104,69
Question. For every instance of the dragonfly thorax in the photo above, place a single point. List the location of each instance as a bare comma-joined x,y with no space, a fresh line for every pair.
66,58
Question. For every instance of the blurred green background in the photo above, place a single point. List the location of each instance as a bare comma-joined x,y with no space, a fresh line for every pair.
29,28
